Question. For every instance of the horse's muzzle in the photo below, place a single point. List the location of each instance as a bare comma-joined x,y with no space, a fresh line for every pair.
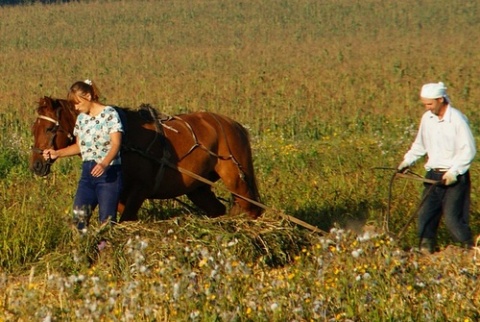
41,167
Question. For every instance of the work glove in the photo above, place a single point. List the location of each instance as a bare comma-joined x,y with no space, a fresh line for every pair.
402,167
449,178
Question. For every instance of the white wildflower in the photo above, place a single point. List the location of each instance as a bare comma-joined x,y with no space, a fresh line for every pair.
232,243
194,315
357,252
176,291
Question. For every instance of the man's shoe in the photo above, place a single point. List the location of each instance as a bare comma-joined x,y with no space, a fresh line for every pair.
427,244
467,244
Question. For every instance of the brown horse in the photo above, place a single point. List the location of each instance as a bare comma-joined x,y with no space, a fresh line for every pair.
203,145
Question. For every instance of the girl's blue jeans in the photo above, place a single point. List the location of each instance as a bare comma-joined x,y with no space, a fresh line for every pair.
103,191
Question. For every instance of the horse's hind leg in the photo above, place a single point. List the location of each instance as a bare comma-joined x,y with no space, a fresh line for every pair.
204,198
241,183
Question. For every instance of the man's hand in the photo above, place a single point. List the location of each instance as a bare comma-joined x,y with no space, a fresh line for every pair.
449,178
403,167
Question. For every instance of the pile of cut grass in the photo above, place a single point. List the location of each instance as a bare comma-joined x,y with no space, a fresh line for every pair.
270,240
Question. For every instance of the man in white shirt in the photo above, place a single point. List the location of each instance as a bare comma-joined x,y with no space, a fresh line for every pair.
445,136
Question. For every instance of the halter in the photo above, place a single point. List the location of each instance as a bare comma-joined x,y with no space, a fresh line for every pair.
54,131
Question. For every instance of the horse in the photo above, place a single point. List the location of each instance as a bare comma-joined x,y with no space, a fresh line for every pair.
163,157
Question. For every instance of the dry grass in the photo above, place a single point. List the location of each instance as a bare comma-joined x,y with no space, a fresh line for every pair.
328,90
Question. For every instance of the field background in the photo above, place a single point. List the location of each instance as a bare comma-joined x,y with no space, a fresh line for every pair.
328,90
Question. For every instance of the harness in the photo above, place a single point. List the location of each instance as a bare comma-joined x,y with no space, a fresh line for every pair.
165,161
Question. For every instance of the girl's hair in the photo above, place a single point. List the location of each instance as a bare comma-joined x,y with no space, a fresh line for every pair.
81,89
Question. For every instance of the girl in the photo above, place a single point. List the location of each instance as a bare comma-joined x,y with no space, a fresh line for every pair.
98,132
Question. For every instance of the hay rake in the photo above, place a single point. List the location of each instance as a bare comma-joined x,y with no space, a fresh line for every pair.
410,176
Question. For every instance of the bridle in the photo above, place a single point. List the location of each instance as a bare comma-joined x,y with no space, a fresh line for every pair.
56,128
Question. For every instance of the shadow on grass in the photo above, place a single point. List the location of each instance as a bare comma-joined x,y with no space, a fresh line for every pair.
351,215
157,210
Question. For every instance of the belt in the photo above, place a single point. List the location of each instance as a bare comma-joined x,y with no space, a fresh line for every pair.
441,170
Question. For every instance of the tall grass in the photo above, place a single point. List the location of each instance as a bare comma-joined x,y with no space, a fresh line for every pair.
328,91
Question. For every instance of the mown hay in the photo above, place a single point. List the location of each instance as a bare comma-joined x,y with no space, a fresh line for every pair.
274,242
267,241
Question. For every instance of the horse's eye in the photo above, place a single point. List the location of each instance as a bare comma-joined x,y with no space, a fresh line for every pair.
50,129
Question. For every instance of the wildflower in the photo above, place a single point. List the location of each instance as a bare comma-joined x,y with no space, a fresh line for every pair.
298,310
357,252
176,291
142,244
213,273
232,243
202,263
274,306
420,284
195,314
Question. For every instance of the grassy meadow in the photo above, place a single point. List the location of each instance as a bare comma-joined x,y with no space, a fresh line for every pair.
329,92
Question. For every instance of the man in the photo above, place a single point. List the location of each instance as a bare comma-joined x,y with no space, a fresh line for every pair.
445,136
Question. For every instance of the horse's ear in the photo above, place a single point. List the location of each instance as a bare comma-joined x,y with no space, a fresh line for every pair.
46,101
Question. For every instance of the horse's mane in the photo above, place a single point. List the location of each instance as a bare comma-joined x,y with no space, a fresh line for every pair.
151,114
48,102
146,111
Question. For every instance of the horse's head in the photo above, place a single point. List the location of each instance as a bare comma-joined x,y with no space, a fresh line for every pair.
52,129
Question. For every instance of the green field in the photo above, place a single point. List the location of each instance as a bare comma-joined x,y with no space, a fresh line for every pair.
329,93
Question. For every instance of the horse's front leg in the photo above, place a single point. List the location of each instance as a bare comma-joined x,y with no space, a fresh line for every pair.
204,198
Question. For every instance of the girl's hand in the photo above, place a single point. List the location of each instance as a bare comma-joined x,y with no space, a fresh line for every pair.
50,154
98,170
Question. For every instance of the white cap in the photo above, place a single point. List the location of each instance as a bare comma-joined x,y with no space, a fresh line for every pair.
433,90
